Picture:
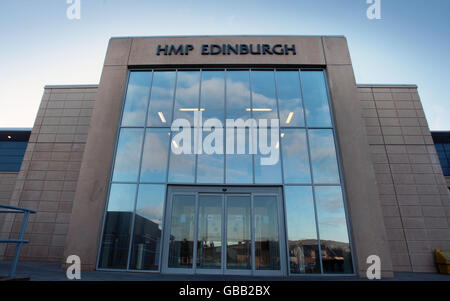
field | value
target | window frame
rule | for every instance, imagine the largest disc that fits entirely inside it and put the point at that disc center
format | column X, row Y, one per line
column 227, row 68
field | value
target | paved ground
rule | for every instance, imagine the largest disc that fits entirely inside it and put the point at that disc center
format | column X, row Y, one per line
column 39, row 271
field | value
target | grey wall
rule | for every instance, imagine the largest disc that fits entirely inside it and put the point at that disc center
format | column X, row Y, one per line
column 49, row 172
column 413, row 191
column 7, row 183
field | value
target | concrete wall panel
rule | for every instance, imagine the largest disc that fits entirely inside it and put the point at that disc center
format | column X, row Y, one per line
column 92, row 185
column 419, row 191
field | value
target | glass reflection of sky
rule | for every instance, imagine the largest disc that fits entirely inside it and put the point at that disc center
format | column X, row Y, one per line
column 295, row 157
column 128, row 154
column 161, row 99
column 289, row 99
column 182, row 166
column 316, row 99
column 136, row 99
column 186, row 94
column 263, row 97
column 150, row 202
column 323, row 156
column 267, row 173
column 154, row 161
column 239, row 168
column 331, row 214
column 300, row 213
column 238, row 94
column 121, row 198
column 210, row 167
column 234, row 87
column 213, row 95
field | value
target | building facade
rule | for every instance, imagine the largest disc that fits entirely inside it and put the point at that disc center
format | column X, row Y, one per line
column 118, row 183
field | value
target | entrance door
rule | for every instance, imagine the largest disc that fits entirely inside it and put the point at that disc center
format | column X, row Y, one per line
column 215, row 230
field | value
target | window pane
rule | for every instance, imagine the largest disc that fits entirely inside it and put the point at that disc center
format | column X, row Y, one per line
column 156, row 152
column 147, row 227
column 182, row 166
column 7, row 167
column 323, row 157
column 116, row 232
column 187, row 95
column 239, row 165
column 213, row 95
column 182, row 232
column 301, row 230
column 316, row 99
column 239, row 169
column 13, row 145
column 239, row 239
column 16, row 160
column 136, row 99
column 295, row 156
column 11, row 155
column 289, row 99
column 263, row 97
column 336, row 255
column 446, row 171
column 210, row 166
column 209, row 248
column 161, row 99
column 268, row 173
column 126, row 166
column 238, row 95
column 267, row 244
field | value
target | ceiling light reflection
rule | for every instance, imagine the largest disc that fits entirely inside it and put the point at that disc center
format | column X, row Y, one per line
column 289, row 118
column 161, row 116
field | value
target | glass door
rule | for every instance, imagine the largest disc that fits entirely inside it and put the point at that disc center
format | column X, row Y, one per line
column 209, row 237
column 182, row 233
column 266, row 215
column 239, row 232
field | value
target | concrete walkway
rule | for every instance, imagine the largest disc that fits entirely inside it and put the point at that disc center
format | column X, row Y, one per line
column 42, row 271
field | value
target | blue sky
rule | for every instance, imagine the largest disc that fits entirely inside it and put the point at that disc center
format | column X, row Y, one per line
column 39, row 45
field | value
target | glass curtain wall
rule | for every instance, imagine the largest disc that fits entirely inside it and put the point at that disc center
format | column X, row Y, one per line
column 145, row 162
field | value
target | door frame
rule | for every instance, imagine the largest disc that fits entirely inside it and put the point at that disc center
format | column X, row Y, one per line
column 224, row 190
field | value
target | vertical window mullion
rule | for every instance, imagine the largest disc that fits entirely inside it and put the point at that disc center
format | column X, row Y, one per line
column 224, row 142
column 280, row 150
column 197, row 131
column 251, row 116
column 169, row 155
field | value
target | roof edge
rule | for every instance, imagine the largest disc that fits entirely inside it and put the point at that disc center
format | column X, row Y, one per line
column 2, row 129
column 237, row 35
column 387, row 85
column 70, row 86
